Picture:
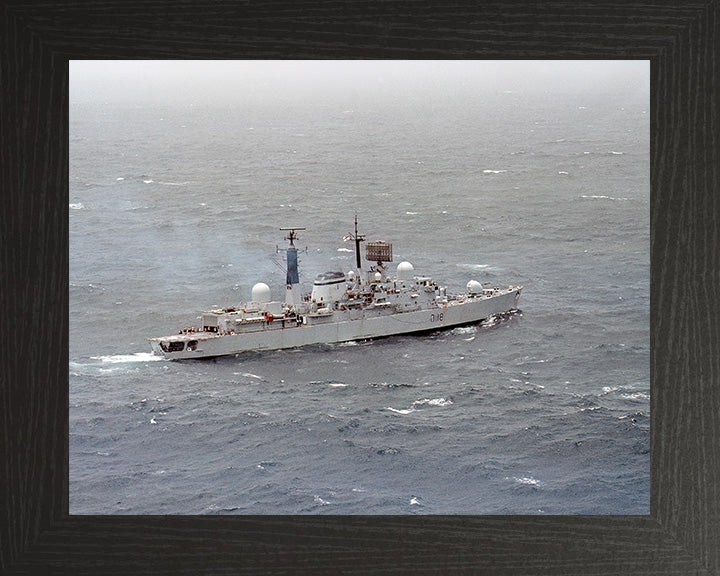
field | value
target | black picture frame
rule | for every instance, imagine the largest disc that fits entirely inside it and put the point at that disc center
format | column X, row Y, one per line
column 682, row 533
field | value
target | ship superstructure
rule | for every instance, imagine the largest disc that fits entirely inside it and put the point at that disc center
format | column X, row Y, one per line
column 361, row 304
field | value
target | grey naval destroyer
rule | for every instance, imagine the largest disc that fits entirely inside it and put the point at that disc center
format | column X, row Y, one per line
column 359, row 305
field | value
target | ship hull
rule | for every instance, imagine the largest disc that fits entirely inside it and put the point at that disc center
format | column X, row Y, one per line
column 344, row 326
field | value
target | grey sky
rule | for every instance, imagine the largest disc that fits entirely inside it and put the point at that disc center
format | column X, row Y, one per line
column 190, row 82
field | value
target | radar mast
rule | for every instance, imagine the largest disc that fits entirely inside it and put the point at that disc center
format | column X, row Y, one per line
column 292, row 280
column 358, row 238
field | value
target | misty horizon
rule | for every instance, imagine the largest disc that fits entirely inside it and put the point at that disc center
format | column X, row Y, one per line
column 192, row 82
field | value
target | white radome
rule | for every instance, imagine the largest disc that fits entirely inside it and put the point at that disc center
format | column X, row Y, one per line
column 405, row 271
column 261, row 292
column 474, row 287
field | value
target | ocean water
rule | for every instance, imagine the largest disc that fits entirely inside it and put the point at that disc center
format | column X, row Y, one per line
column 175, row 207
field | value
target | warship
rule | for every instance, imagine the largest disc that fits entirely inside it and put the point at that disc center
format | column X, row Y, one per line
column 360, row 305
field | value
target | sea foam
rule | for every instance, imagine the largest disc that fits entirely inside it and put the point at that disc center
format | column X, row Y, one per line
column 123, row 358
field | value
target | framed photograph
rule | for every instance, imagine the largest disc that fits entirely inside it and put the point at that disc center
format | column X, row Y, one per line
column 560, row 152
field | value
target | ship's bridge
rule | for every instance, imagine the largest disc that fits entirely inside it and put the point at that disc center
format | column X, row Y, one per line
column 328, row 287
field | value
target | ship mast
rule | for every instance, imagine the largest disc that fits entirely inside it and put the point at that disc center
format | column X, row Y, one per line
column 292, row 279
column 358, row 238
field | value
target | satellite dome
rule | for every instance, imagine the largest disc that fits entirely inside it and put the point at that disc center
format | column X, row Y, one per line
column 474, row 287
column 405, row 271
column 378, row 277
column 261, row 292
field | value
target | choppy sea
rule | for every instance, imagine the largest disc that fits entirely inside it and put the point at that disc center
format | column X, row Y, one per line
column 176, row 208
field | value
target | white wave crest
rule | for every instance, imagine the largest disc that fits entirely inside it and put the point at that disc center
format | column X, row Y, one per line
column 77, row 206
column 494, row 171
column 602, row 197
column 464, row 330
column 406, row 411
column 124, row 358
column 635, row 396
column 423, row 402
column 432, row 402
column 528, row 480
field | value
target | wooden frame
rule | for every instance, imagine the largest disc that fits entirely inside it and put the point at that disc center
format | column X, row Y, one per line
column 682, row 533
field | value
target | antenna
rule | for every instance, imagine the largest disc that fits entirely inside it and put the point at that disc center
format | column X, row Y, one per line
column 358, row 238
column 291, row 235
